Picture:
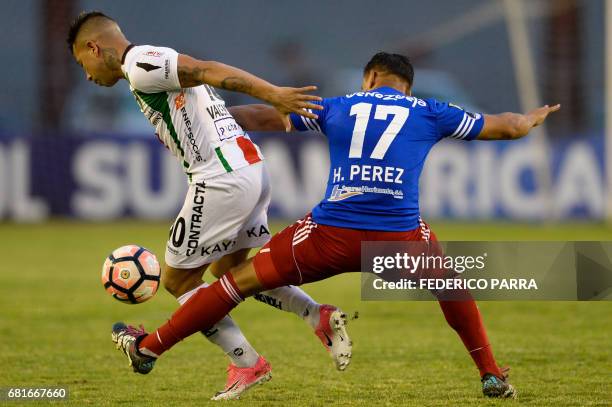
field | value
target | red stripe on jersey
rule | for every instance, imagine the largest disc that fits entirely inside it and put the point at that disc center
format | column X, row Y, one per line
column 248, row 149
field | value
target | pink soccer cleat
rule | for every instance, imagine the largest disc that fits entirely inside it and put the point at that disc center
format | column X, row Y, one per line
column 240, row 379
column 332, row 333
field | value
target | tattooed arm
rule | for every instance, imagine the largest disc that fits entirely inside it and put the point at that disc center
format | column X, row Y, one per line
column 257, row 117
column 194, row 72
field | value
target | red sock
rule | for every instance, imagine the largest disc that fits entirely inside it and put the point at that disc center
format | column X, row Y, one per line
column 203, row 310
column 464, row 317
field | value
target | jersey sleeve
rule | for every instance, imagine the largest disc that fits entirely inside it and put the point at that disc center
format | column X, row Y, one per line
column 302, row 123
column 454, row 122
column 154, row 70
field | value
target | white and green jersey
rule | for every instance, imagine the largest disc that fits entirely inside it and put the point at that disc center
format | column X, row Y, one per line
column 193, row 123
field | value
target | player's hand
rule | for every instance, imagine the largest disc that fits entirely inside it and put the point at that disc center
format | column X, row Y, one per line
column 294, row 100
column 537, row 116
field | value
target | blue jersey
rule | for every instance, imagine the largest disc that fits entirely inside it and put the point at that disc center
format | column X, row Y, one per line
column 378, row 142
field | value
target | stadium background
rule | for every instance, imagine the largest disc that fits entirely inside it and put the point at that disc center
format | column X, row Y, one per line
column 81, row 174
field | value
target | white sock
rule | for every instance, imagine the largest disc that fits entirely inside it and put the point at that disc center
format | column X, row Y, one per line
column 292, row 299
column 226, row 335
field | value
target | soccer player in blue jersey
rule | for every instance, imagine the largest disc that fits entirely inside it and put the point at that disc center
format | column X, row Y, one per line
column 379, row 139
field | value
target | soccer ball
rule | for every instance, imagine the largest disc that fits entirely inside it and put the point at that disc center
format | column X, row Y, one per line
column 131, row 274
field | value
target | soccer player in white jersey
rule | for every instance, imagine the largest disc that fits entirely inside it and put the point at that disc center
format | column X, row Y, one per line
column 224, row 214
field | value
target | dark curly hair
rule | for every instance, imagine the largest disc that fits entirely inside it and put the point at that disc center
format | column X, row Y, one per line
column 395, row 64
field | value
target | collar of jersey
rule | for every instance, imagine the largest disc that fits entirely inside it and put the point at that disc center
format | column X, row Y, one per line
column 386, row 89
column 128, row 49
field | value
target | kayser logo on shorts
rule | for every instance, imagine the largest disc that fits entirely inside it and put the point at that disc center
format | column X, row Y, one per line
column 225, row 245
column 220, row 247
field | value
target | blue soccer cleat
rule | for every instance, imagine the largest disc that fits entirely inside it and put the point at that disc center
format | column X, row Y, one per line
column 498, row 387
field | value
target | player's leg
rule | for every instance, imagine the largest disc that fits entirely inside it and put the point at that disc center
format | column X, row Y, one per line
column 182, row 284
column 465, row 318
column 462, row 314
column 247, row 368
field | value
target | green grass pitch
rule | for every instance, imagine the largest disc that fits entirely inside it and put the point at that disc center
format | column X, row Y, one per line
column 55, row 320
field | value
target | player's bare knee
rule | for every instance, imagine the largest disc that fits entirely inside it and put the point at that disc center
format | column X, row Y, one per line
column 217, row 271
column 227, row 262
column 177, row 281
column 172, row 285
column 246, row 278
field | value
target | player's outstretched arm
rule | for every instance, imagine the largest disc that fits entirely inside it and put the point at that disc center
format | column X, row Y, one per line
column 510, row 126
column 257, row 117
column 194, row 72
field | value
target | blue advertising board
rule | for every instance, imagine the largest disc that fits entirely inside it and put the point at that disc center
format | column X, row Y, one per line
column 108, row 177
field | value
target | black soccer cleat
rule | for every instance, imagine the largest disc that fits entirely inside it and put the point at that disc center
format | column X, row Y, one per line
column 498, row 387
column 127, row 338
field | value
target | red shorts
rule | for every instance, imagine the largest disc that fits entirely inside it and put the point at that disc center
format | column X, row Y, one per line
column 306, row 252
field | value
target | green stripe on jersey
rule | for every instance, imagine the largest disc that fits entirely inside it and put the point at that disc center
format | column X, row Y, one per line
column 226, row 165
column 159, row 103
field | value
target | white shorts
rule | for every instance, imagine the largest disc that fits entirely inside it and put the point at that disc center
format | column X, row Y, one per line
column 220, row 216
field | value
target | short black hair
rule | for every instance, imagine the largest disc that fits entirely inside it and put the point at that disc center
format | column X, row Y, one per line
column 78, row 22
column 395, row 64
